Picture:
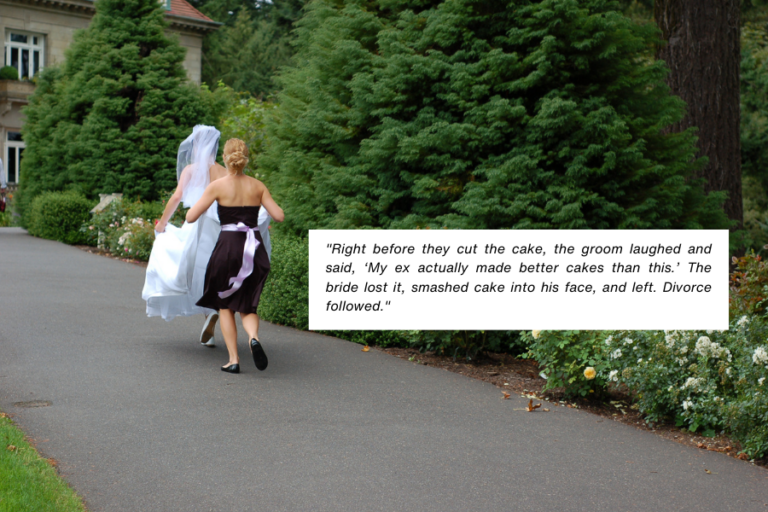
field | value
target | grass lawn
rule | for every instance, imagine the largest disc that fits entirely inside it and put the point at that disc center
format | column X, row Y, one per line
column 28, row 483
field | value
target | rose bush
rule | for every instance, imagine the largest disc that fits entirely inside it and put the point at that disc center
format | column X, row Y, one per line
column 126, row 228
column 708, row 381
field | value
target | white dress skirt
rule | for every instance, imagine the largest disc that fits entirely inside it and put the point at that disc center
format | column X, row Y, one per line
column 175, row 275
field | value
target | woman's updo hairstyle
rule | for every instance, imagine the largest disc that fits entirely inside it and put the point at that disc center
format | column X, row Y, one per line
column 235, row 155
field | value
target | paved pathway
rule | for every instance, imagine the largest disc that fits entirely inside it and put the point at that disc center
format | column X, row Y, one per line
column 142, row 419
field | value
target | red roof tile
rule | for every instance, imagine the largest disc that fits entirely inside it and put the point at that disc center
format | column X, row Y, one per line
column 183, row 8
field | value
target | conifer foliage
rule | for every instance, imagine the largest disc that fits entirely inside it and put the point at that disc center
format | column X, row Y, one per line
column 481, row 114
column 112, row 117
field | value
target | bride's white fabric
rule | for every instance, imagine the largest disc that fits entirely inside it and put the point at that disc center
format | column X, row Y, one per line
column 176, row 270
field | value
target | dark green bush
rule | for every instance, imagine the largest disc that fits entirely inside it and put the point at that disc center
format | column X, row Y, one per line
column 59, row 216
column 285, row 299
column 8, row 73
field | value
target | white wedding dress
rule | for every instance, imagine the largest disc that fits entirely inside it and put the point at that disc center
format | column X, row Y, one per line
column 175, row 275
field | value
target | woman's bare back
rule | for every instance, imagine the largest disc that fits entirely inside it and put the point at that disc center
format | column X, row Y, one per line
column 239, row 190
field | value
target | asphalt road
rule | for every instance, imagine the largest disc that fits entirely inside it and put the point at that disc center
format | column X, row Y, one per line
column 142, row 419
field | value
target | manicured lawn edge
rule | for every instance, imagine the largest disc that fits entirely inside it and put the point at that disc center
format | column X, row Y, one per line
column 29, row 482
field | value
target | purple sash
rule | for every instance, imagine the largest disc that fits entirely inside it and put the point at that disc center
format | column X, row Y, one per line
column 249, row 250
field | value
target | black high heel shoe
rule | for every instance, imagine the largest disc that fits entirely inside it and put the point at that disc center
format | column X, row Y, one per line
column 259, row 356
column 233, row 368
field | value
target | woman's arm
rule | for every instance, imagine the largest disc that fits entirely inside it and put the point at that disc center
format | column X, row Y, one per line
column 173, row 202
column 270, row 205
column 205, row 202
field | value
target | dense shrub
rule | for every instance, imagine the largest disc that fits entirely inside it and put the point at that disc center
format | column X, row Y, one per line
column 748, row 288
column 378, row 338
column 566, row 356
column 285, row 299
column 9, row 73
column 465, row 344
column 59, row 216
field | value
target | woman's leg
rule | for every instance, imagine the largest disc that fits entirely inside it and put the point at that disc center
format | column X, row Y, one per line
column 229, row 330
column 251, row 325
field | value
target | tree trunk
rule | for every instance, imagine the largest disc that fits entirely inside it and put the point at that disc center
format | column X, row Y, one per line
column 703, row 52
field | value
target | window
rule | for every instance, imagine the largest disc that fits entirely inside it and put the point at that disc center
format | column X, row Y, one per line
column 24, row 51
column 14, row 148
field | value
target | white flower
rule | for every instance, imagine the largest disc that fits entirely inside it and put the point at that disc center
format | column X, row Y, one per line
column 535, row 334
column 608, row 340
column 692, row 382
column 640, row 360
column 743, row 321
column 628, row 341
column 614, row 375
column 616, row 354
column 687, row 404
column 710, row 332
column 760, row 381
column 635, row 347
column 123, row 238
column 682, row 361
column 670, row 341
column 670, row 388
column 684, row 350
column 728, row 371
column 760, row 356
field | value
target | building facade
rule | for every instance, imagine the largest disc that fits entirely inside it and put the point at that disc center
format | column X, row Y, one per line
column 36, row 34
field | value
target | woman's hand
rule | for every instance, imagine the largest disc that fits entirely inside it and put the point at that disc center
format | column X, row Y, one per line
column 160, row 226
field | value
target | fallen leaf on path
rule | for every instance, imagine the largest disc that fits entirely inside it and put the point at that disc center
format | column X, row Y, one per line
column 52, row 462
column 742, row 456
column 3, row 415
column 11, row 448
column 545, row 410
column 506, row 395
column 707, row 471
column 700, row 445
column 532, row 407
column 366, row 348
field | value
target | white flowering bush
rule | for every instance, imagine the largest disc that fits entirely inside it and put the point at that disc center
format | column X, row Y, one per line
column 707, row 381
column 126, row 228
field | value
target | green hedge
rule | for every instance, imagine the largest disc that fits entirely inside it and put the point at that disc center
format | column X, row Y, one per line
column 8, row 73
column 285, row 299
column 59, row 216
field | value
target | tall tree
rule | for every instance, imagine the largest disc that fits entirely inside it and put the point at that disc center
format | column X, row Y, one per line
column 111, row 119
column 254, row 44
column 481, row 114
column 703, row 52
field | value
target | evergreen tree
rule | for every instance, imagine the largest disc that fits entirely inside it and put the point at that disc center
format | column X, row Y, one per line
column 254, row 44
column 111, row 119
column 481, row 114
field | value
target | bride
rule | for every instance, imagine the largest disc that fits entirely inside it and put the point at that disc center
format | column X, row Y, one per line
column 179, row 257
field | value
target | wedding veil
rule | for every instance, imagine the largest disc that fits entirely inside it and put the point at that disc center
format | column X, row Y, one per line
column 196, row 156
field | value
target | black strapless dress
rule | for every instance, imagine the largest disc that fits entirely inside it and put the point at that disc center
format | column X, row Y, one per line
column 226, row 260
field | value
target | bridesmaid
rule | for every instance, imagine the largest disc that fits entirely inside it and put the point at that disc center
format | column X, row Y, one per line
column 239, row 265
